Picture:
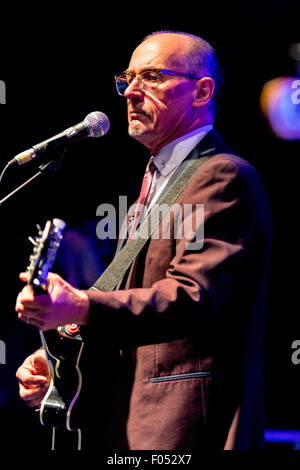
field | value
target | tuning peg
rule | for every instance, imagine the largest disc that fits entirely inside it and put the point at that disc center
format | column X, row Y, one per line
column 32, row 240
column 39, row 229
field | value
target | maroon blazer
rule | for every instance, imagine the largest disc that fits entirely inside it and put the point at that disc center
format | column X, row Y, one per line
column 183, row 336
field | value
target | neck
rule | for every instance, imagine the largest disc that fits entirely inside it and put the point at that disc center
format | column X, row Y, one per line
column 156, row 147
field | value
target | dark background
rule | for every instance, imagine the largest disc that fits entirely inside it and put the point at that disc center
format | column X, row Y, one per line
column 59, row 67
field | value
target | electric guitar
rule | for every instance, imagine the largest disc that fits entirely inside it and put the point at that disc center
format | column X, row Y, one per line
column 59, row 408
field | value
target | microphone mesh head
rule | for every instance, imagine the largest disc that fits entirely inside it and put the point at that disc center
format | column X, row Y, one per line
column 97, row 123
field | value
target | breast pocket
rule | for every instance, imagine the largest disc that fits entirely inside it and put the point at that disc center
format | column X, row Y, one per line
column 188, row 375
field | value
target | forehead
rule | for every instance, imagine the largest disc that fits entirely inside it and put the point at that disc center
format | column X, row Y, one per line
column 158, row 51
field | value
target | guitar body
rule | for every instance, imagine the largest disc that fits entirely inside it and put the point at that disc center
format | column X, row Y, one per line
column 60, row 406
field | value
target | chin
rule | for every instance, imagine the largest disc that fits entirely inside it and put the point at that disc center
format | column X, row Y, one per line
column 136, row 131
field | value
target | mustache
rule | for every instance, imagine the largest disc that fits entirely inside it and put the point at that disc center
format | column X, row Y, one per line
column 137, row 109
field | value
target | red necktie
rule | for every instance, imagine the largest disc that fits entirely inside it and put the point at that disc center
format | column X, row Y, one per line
column 144, row 197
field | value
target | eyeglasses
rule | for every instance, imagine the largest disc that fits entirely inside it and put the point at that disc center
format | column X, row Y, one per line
column 148, row 79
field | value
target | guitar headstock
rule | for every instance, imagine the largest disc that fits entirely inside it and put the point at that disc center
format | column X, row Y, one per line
column 46, row 244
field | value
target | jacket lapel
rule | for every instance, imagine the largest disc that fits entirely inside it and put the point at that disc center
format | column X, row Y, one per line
column 211, row 144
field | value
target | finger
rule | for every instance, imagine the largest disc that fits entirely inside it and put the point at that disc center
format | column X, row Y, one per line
column 26, row 315
column 26, row 370
column 52, row 278
column 28, row 298
column 37, row 305
column 31, row 396
column 37, row 318
column 31, row 314
column 28, row 379
column 40, row 365
column 28, row 394
column 23, row 277
column 30, row 319
column 23, row 318
column 35, row 403
column 25, row 299
column 37, row 322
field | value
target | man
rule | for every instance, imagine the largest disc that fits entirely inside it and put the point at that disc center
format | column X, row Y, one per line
column 186, row 323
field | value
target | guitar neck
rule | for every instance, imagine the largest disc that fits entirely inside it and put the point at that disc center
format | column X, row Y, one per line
column 38, row 289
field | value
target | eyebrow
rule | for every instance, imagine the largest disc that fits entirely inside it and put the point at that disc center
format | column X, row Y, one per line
column 147, row 69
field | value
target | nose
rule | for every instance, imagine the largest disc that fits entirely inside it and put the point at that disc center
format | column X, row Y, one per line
column 133, row 90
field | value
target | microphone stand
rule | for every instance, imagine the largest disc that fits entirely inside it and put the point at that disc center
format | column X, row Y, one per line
column 44, row 169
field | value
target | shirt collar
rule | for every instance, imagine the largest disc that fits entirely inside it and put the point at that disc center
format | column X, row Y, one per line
column 172, row 154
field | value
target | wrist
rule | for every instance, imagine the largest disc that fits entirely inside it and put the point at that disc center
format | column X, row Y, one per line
column 83, row 306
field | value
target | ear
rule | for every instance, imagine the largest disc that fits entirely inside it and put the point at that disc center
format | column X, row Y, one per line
column 204, row 90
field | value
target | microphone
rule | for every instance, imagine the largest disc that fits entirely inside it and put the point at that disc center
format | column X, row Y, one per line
column 95, row 124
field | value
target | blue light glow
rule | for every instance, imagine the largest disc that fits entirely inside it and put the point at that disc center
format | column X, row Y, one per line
column 283, row 436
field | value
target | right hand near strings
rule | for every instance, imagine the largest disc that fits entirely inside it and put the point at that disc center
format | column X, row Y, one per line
column 34, row 378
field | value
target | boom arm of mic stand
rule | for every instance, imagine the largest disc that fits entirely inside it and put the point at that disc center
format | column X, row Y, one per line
column 46, row 168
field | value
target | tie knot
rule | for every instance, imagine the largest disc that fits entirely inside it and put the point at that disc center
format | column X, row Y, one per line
column 151, row 166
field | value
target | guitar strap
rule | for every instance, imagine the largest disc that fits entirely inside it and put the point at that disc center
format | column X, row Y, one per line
column 118, row 267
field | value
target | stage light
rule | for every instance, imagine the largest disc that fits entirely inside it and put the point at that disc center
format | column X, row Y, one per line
column 280, row 102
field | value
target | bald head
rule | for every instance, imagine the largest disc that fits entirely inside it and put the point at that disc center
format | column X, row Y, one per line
column 193, row 55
